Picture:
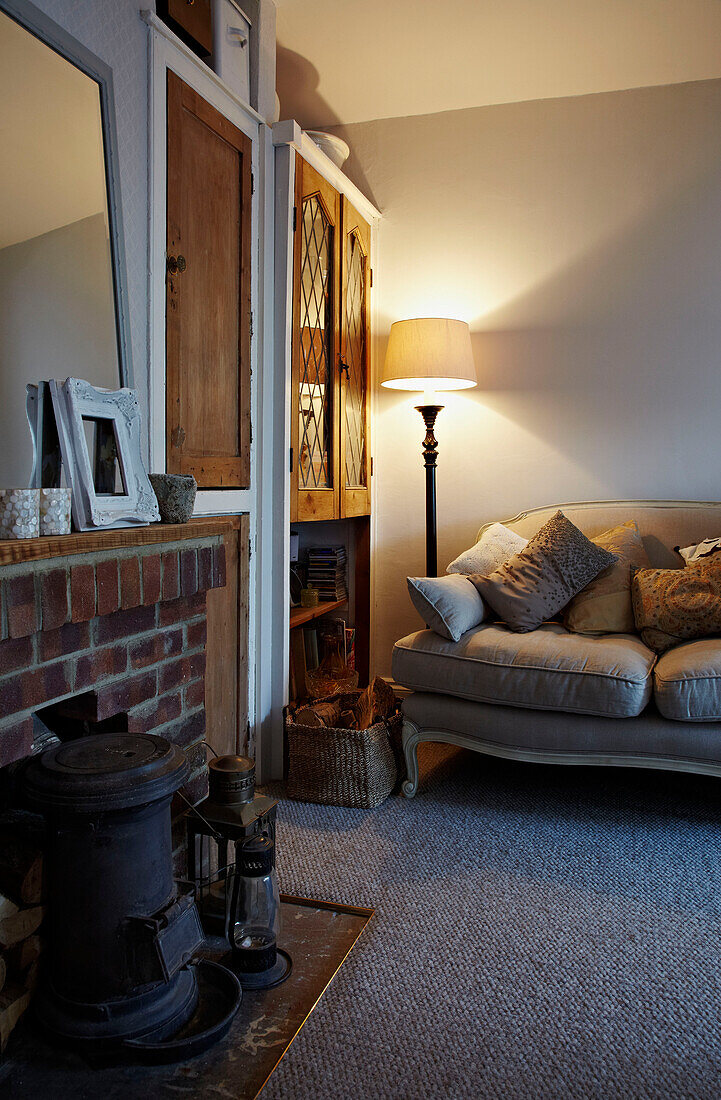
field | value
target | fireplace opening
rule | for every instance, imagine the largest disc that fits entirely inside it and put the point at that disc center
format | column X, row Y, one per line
column 73, row 718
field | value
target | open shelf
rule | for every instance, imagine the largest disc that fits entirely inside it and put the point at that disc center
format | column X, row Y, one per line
column 301, row 615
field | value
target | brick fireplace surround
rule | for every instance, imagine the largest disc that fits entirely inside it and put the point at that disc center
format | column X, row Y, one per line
column 113, row 630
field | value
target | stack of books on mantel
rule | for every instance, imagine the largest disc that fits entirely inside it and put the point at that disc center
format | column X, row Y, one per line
column 327, row 572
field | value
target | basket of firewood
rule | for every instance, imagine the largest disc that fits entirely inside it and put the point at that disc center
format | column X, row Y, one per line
column 343, row 750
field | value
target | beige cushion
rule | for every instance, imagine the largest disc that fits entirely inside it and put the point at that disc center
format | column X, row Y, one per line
column 537, row 582
column 687, row 682
column 496, row 545
column 449, row 605
column 604, row 606
column 699, row 550
column 548, row 669
column 677, row 605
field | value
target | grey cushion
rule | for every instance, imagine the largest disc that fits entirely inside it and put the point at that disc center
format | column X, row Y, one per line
column 687, row 682
column 548, row 669
column 449, row 605
column 533, row 585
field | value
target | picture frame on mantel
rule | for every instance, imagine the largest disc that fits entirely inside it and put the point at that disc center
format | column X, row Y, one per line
column 99, row 433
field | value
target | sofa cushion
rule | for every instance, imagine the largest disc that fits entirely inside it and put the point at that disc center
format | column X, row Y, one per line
column 604, row 606
column 547, row 669
column 449, row 605
column 533, row 585
column 677, row 605
column 495, row 545
column 687, row 681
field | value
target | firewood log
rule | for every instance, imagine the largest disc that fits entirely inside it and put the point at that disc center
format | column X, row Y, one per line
column 375, row 703
column 20, row 925
column 318, row 714
column 14, row 1001
column 21, row 868
column 347, row 720
column 8, row 908
column 23, row 955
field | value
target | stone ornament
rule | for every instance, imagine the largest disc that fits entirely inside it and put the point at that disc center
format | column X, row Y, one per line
column 19, row 513
column 176, row 496
column 55, row 507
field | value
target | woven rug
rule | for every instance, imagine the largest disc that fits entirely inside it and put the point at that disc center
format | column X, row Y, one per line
column 540, row 932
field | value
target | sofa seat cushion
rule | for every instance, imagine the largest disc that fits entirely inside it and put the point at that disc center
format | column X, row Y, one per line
column 687, row 681
column 546, row 669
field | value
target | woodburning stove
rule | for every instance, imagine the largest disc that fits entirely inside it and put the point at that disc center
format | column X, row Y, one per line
column 122, row 930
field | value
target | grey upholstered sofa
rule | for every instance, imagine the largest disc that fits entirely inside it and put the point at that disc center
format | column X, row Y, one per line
column 564, row 698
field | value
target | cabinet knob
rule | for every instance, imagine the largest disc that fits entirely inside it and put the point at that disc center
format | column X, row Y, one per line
column 176, row 265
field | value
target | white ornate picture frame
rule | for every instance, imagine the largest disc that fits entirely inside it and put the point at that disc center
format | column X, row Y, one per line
column 76, row 401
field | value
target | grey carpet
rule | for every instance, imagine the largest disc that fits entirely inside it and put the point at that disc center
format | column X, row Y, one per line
column 540, row 932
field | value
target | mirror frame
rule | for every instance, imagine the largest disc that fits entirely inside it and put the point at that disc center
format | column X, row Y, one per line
column 53, row 35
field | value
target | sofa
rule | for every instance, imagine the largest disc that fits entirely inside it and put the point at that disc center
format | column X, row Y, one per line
column 557, row 697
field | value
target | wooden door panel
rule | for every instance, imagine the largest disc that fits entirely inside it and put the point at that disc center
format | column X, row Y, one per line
column 208, row 296
column 314, row 352
column 355, row 484
column 226, row 674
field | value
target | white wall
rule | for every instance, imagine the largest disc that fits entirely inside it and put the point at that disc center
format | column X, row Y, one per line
column 581, row 238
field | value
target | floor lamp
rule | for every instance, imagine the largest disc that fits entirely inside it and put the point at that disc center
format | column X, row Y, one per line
column 431, row 354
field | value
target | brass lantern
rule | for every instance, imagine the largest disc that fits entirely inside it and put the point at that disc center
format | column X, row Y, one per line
column 217, row 829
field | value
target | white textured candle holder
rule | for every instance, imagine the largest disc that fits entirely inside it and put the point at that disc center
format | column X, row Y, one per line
column 19, row 513
column 55, row 511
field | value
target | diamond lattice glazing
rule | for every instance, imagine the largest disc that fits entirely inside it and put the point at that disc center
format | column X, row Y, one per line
column 355, row 421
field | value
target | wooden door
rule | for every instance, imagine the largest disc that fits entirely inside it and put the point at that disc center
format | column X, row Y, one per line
column 355, row 459
column 208, row 321
column 314, row 400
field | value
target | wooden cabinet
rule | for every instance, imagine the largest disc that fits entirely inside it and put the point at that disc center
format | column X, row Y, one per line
column 208, row 318
column 191, row 20
column 330, row 358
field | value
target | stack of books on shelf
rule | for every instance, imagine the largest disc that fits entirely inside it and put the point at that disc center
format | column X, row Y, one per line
column 327, row 572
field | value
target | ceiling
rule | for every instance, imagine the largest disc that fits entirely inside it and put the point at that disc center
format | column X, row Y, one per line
column 344, row 61
column 52, row 171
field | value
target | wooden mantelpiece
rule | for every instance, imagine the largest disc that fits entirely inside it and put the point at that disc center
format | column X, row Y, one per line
column 14, row 551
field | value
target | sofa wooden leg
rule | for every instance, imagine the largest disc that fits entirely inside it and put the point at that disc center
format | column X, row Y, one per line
column 410, row 736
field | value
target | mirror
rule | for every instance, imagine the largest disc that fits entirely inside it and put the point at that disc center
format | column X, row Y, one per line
column 61, row 295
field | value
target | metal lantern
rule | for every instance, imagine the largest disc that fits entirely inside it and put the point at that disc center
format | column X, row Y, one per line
column 218, row 827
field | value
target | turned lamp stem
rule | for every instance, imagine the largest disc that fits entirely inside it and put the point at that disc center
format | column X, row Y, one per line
column 430, row 456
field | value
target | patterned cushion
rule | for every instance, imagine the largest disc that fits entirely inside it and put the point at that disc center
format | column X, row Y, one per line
column 604, row 606
column 675, row 605
column 537, row 582
column 496, row 545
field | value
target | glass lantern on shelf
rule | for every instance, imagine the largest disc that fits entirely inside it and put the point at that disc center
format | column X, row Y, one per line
column 333, row 674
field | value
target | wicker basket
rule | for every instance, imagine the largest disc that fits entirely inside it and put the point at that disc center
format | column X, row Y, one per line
column 339, row 767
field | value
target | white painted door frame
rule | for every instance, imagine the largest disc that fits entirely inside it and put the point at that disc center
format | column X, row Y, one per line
column 166, row 51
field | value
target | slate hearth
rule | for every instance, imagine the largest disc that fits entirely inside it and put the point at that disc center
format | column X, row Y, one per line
column 111, row 638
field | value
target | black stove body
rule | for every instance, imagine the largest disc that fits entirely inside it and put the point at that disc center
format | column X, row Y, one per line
column 122, row 930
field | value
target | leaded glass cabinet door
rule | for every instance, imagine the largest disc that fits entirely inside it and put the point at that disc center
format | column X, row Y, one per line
column 355, row 462
column 315, row 407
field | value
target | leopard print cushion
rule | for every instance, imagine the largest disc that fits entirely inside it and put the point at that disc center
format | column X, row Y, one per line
column 536, row 583
column 675, row 605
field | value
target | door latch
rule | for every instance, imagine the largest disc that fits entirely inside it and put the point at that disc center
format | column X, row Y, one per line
column 176, row 265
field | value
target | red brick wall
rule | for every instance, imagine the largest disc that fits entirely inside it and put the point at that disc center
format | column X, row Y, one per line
column 123, row 631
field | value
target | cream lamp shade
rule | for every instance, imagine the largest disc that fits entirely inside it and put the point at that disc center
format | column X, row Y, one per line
column 429, row 353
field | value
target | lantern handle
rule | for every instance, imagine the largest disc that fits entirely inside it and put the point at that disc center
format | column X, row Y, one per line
column 208, row 744
column 215, row 835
